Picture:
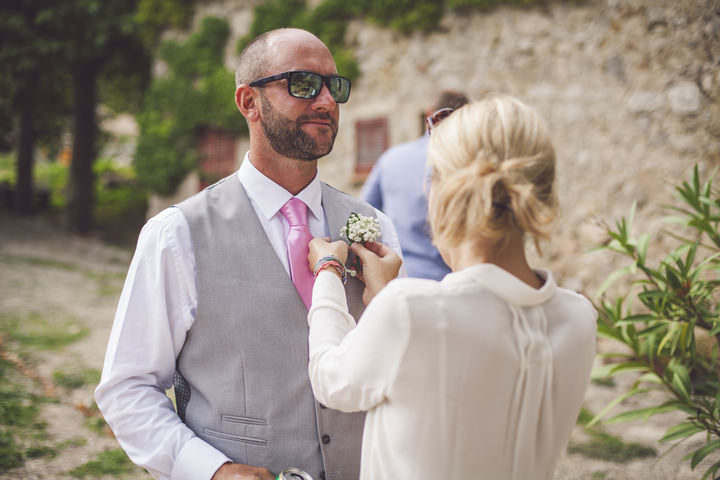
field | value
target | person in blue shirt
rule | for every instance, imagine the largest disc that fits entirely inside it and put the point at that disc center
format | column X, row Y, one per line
column 396, row 186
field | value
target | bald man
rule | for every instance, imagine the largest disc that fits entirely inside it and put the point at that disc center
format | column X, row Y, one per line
column 214, row 305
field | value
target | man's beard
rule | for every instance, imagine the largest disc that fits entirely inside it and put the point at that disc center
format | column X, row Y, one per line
column 287, row 138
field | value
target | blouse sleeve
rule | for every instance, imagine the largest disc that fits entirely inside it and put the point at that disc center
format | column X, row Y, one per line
column 352, row 367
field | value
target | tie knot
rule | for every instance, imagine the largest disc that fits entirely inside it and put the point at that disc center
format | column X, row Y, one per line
column 295, row 212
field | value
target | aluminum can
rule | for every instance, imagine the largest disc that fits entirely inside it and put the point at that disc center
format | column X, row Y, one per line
column 292, row 473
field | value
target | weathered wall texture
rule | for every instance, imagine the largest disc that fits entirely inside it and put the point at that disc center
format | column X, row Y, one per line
column 630, row 89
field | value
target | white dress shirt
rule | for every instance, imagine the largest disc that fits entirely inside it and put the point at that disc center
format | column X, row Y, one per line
column 478, row 376
column 157, row 308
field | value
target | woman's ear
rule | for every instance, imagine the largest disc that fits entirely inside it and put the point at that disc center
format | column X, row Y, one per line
column 246, row 101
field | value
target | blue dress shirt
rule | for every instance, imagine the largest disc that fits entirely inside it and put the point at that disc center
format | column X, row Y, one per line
column 397, row 187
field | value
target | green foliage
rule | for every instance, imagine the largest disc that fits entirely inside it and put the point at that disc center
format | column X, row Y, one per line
column 402, row 15
column 120, row 202
column 33, row 75
column 329, row 19
column 607, row 447
column 8, row 172
column 109, row 462
column 54, row 177
column 154, row 16
column 117, row 192
column 197, row 93
column 669, row 317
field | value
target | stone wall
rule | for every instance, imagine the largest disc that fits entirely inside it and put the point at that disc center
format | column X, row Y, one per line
column 629, row 88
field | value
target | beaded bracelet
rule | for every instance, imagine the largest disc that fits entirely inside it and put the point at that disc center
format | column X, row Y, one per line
column 331, row 261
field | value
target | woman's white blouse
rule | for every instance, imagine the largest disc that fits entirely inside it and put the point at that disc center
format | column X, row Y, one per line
column 477, row 376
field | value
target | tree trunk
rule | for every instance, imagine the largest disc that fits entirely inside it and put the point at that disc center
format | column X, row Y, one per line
column 82, row 181
column 23, row 201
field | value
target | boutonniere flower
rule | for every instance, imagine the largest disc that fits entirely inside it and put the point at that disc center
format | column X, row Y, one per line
column 360, row 228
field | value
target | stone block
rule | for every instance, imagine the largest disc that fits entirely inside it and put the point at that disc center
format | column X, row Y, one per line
column 684, row 98
column 644, row 101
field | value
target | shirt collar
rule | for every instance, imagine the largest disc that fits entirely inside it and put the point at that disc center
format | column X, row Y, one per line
column 269, row 196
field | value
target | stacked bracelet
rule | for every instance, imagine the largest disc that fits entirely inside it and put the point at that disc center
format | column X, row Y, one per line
column 332, row 261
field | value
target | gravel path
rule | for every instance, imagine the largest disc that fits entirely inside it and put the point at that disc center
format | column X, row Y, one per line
column 74, row 283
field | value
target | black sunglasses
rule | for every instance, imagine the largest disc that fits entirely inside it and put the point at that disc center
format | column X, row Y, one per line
column 308, row 85
column 437, row 117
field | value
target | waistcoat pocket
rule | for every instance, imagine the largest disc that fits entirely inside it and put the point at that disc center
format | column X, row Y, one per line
column 235, row 438
column 240, row 419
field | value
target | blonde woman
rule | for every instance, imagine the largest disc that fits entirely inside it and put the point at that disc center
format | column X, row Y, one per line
column 482, row 374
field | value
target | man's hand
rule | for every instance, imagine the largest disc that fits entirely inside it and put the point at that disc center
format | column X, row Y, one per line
column 238, row 471
column 379, row 265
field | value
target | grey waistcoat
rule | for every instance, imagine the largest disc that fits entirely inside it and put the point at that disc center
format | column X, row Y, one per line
column 242, row 383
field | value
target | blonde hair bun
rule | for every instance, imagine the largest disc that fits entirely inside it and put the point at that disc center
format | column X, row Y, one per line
column 493, row 170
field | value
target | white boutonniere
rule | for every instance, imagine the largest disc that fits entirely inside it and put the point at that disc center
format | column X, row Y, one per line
column 360, row 228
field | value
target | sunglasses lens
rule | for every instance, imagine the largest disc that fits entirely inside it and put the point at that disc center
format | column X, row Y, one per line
column 437, row 117
column 339, row 89
column 305, row 85
column 308, row 85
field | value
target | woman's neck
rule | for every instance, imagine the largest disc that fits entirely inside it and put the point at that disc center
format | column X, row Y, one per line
column 511, row 258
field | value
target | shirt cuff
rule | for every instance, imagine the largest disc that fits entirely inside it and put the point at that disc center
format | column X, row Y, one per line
column 197, row 460
column 329, row 292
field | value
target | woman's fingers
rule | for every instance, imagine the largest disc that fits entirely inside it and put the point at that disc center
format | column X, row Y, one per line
column 320, row 247
column 380, row 265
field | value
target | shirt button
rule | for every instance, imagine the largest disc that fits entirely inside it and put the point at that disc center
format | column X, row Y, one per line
column 326, row 439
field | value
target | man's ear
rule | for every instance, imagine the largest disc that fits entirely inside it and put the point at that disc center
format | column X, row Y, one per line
column 246, row 101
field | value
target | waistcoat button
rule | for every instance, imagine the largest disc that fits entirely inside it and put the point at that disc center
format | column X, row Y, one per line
column 326, row 439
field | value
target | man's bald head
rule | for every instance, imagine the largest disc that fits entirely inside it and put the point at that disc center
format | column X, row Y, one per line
column 254, row 61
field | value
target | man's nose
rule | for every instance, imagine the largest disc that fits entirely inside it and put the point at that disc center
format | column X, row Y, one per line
column 324, row 100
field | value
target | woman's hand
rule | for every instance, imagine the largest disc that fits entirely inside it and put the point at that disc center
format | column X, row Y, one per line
column 322, row 247
column 379, row 265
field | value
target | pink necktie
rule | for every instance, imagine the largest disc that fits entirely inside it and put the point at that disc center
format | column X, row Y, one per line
column 295, row 211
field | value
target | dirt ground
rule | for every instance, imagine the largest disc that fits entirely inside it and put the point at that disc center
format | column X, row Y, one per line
column 76, row 282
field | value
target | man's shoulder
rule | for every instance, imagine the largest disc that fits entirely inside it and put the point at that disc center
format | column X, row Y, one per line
column 217, row 192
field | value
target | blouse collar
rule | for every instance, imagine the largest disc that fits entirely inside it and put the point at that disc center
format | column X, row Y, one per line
column 504, row 284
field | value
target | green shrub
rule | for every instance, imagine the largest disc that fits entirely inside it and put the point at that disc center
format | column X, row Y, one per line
column 53, row 176
column 117, row 191
column 7, row 168
column 197, row 93
column 669, row 318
